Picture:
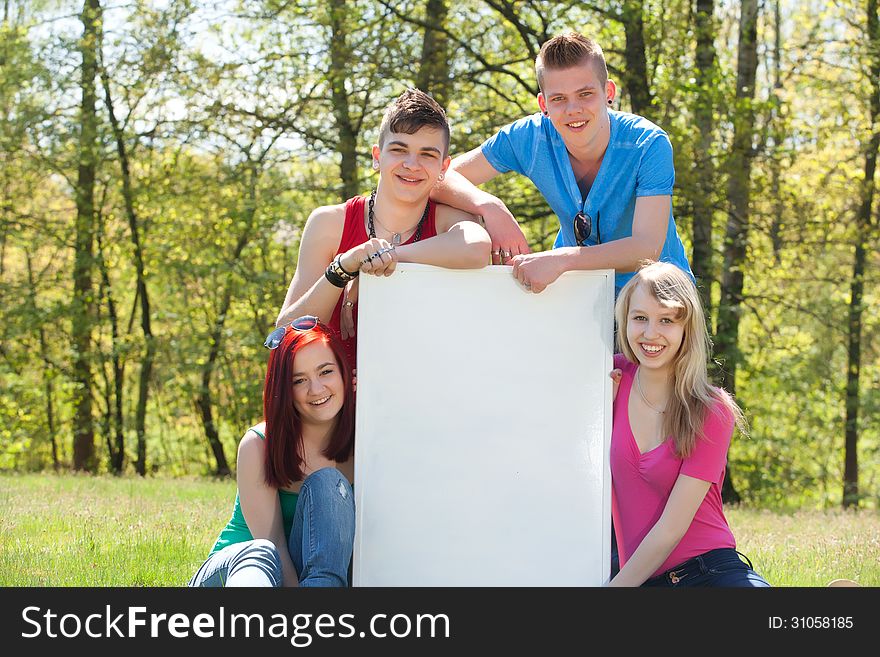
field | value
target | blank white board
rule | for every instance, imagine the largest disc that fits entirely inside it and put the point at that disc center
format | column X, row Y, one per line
column 483, row 428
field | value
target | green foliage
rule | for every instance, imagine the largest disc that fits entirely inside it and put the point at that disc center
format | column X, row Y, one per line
column 234, row 135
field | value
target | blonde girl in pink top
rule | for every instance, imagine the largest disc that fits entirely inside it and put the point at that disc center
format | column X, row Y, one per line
column 669, row 441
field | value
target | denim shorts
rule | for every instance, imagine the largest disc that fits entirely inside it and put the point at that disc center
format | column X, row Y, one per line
column 721, row 567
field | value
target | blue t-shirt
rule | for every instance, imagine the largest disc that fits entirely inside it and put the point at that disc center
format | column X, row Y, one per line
column 637, row 162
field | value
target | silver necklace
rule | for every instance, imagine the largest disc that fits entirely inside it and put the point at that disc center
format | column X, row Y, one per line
column 645, row 399
column 395, row 237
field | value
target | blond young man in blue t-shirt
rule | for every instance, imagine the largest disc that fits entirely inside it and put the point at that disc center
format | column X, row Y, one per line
column 607, row 175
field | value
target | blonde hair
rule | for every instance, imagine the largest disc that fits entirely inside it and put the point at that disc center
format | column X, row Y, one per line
column 693, row 395
column 568, row 50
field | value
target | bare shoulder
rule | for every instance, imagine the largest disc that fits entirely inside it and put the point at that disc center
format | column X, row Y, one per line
column 326, row 220
column 251, row 445
column 447, row 216
column 321, row 235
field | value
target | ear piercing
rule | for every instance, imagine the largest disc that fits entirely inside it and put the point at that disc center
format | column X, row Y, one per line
column 375, row 165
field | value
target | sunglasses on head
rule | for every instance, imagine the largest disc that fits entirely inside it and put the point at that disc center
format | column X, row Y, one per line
column 304, row 323
column 583, row 225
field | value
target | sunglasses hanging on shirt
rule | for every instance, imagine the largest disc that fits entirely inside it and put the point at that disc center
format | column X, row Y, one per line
column 583, row 226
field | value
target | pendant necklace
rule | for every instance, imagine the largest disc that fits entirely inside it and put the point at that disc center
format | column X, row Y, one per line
column 395, row 237
column 642, row 395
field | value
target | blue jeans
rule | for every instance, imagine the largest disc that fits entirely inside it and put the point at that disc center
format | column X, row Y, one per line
column 320, row 543
column 322, row 537
column 251, row 563
column 721, row 567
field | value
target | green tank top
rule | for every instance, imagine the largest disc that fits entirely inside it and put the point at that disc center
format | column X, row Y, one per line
column 236, row 530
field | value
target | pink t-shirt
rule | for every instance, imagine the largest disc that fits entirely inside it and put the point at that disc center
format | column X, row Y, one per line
column 641, row 483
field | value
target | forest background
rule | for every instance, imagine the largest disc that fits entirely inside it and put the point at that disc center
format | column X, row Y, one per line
column 158, row 161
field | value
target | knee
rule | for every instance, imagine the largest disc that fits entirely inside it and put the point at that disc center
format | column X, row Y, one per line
column 329, row 483
column 264, row 546
column 264, row 552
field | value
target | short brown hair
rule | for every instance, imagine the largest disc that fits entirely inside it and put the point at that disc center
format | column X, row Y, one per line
column 412, row 111
column 567, row 50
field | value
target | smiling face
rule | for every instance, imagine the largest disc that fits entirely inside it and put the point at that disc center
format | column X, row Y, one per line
column 576, row 102
column 654, row 331
column 318, row 388
column 412, row 164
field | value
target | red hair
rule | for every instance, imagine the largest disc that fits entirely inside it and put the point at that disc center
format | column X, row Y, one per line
column 284, row 448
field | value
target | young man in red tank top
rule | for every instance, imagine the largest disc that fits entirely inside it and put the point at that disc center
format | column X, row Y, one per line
column 396, row 223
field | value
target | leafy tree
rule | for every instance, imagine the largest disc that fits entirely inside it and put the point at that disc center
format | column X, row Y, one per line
column 83, row 292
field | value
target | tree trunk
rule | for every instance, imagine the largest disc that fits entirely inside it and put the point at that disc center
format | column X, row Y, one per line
column 778, row 133
column 864, row 226
column 340, row 54
column 83, row 292
column 702, row 259
column 142, row 294
column 48, row 387
column 206, row 405
column 116, row 448
column 50, row 414
column 854, row 362
column 739, row 200
column 738, row 195
column 433, row 74
column 635, row 77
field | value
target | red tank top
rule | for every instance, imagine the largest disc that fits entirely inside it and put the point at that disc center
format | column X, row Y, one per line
column 354, row 233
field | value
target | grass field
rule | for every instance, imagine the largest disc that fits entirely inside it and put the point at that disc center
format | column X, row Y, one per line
column 101, row 531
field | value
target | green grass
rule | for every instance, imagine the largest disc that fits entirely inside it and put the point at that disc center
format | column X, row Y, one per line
column 101, row 531
column 810, row 548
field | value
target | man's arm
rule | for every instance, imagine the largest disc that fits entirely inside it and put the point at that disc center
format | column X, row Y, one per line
column 309, row 292
column 476, row 170
column 650, row 223
column 460, row 243
column 459, row 190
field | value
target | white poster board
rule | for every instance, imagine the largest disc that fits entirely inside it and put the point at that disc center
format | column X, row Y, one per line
column 483, row 428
